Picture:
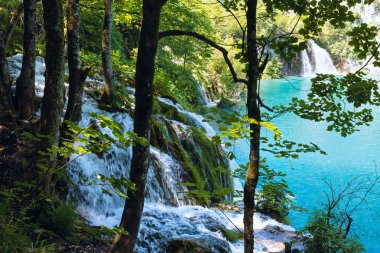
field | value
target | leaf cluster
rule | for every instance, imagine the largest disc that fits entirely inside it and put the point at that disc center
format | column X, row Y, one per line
column 343, row 102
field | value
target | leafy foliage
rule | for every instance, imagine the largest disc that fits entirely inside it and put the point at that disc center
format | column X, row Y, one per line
column 341, row 101
column 325, row 236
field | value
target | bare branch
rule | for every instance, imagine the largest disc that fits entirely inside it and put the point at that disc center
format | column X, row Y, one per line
column 369, row 60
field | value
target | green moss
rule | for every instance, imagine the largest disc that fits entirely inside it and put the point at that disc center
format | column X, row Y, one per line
column 157, row 135
column 204, row 162
column 170, row 112
column 232, row 234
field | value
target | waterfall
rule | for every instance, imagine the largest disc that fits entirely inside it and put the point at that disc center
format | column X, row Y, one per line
column 316, row 60
column 168, row 216
column 15, row 65
column 306, row 66
column 202, row 94
column 195, row 118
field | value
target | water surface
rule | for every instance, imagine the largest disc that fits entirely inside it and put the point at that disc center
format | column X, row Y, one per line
column 347, row 157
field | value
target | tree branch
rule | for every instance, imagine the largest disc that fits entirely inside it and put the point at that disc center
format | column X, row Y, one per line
column 373, row 54
column 12, row 24
column 210, row 43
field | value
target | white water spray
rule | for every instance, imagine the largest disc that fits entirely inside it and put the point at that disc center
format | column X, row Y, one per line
column 316, row 60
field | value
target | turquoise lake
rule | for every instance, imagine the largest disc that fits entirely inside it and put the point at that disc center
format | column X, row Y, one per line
column 346, row 158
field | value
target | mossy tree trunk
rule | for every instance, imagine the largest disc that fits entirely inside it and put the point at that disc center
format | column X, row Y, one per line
column 107, row 96
column 77, row 76
column 134, row 204
column 25, row 87
column 53, row 99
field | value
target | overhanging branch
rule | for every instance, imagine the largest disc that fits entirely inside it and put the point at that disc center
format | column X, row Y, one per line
column 210, row 43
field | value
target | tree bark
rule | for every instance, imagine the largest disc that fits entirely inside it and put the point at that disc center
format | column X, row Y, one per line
column 253, row 107
column 134, row 204
column 7, row 110
column 77, row 76
column 53, row 99
column 25, row 85
column 6, row 100
column 106, row 53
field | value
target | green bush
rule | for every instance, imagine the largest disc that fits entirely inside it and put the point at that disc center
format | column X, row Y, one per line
column 324, row 235
column 60, row 219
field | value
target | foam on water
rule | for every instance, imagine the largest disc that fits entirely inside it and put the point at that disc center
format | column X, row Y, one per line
column 195, row 118
column 167, row 214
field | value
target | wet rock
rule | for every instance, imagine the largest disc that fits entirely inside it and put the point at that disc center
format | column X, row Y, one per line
column 226, row 103
column 184, row 246
column 197, row 245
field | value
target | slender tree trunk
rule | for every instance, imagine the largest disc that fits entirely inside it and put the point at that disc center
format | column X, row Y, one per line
column 25, row 87
column 53, row 99
column 77, row 76
column 106, row 53
column 253, row 112
column 6, row 99
column 134, row 204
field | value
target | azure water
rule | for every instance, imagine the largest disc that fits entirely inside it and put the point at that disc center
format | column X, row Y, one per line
column 347, row 157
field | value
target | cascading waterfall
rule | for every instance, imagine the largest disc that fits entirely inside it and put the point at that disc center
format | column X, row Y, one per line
column 168, row 214
column 203, row 97
column 195, row 118
column 316, row 60
column 307, row 69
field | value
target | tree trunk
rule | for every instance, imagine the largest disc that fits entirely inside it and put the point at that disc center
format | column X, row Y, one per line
column 106, row 53
column 77, row 77
column 134, row 204
column 25, row 87
column 6, row 100
column 53, row 99
column 7, row 110
column 253, row 112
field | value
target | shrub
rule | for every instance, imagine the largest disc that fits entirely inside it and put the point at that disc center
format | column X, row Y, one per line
column 61, row 219
column 324, row 235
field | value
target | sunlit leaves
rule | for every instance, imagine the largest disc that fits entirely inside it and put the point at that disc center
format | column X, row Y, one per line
column 115, row 230
column 290, row 149
column 341, row 101
column 117, row 185
column 86, row 140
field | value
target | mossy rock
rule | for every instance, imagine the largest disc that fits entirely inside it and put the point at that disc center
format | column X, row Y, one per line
column 185, row 246
column 158, row 138
column 170, row 112
column 204, row 162
column 232, row 235
column 226, row 103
